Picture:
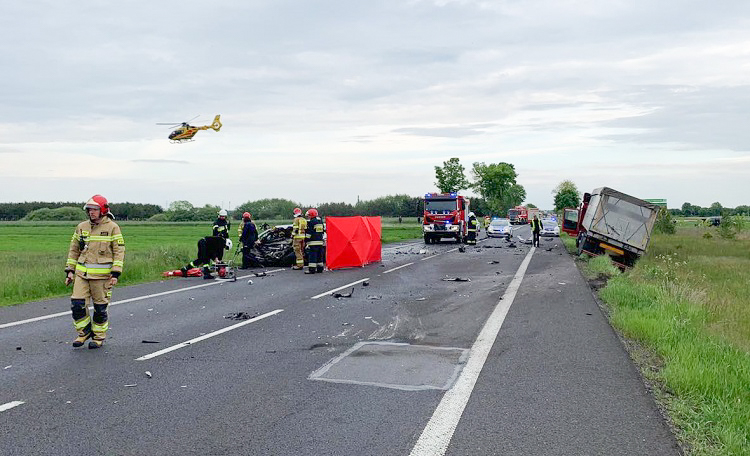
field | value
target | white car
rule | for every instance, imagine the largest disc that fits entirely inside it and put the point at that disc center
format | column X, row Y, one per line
column 499, row 228
column 549, row 228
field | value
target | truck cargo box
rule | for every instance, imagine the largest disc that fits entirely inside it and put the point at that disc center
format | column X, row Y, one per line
column 620, row 219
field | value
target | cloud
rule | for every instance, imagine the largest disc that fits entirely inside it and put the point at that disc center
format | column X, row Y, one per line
column 158, row 160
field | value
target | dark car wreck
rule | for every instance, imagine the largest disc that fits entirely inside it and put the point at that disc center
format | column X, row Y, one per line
column 274, row 248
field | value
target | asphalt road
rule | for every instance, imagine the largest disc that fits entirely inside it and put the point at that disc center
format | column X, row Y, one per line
column 519, row 360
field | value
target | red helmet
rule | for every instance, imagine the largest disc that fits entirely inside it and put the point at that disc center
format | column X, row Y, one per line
column 297, row 212
column 312, row 213
column 97, row 202
column 246, row 215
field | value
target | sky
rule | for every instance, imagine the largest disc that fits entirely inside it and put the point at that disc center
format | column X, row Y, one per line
column 331, row 101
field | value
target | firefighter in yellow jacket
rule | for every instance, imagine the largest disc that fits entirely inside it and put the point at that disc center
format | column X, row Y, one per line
column 94, row 264
column 299, row 229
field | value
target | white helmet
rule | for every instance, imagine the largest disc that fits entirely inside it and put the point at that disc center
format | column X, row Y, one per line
column 471, row 214
column 223, row 213
column 228, row 244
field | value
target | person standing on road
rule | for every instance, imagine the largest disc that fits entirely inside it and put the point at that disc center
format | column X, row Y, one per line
column 248, row 238
column 314, row 238
column 94, row 264
column 536, row 228
column 222, row 225
column 471, row 236
column 299, row 230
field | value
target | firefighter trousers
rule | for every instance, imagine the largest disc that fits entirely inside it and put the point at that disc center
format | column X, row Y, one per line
column 100, row 292
column 315, row 260
column 299, row 249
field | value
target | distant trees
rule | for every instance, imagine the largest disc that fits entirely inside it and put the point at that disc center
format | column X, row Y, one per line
column 497, row 184
column 58, row 214
column 123, row 211
column 566, row 195
column 450, row 177
column 716, row 209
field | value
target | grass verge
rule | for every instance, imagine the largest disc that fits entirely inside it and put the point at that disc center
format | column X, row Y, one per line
column 684, row 311
column 32, row 255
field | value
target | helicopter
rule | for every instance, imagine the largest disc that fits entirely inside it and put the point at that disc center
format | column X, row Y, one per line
column 185, row 131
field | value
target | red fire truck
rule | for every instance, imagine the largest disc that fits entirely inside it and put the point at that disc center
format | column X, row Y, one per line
column 446, row 215
column 519, row 215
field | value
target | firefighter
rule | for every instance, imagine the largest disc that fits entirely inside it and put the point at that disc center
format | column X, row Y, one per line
column 299, row 230
column 471, row 236
column 210, row 249
column 314, row 240
column 94, row 265
column 222, row 225
column 487, row 221
column 536, row 228
column 248, row 238
column 241, row 225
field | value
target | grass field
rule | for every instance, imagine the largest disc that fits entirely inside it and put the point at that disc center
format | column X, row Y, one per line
column 685, row 309
column 32, row 255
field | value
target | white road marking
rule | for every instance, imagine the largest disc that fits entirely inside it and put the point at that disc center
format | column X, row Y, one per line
column 137, row 298
column 339, row 288
column 451, row 250
column 10, row 405
column 398, row 267
column 433, row 256
column 402, row 246
column 438, row 433
column 208, row 335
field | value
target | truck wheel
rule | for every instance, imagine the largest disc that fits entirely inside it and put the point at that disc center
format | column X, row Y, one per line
column 426, row 239
column 580, row 243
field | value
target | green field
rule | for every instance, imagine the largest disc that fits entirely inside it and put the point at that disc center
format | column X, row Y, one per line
column 32, row 255
column 685, row 311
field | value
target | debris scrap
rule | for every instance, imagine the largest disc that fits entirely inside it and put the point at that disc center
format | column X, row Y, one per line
column 343, row 295
column 456, row 279
column 240, row 316
column 260, row 274
column 366, row 283
column 148, row 374
column 493, row 262
column 375, row 298
column 150, row 342
column 131, row 385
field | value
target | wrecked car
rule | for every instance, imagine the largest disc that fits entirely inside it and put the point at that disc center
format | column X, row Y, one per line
column 274, row 248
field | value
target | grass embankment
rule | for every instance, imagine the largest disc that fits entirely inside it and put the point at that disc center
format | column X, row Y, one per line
column 685, row 309
column 32, row 255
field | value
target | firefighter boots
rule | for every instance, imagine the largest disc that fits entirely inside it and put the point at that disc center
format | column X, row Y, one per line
column 98, row 340
column 83, row 335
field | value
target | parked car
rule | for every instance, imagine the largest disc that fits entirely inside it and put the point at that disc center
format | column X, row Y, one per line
column 499, row 228
column 549, row 228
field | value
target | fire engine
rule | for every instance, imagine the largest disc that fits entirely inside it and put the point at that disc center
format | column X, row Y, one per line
column 519, row 215
column 446, row 215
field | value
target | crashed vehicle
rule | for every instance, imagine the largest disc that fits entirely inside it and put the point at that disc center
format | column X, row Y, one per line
column 274, row 248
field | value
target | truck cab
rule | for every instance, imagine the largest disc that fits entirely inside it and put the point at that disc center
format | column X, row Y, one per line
column 445, row 216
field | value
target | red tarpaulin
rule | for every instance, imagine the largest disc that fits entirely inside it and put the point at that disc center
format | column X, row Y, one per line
column 352, row 241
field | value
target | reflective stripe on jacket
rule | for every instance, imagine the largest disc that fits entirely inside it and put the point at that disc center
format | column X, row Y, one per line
column 299, row 228
column 315, row 231
column 96, row 251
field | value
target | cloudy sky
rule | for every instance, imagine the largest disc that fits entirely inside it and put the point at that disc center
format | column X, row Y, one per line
column 334, row 100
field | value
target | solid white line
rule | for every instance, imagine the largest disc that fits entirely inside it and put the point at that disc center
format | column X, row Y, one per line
column 208, row 336
column 10, row 405
column 451, row 250
column 137, row 298
column 433, row 256
column 398, row 267
column 437, row 434
column 339, row 288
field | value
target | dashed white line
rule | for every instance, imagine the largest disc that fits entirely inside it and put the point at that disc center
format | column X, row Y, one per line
column 208, row 336
column 438, row 433
column 10, row 405
column 137, row 298
column 398, row 267
column 339, row 288
column 432, row 256
column 402, row 246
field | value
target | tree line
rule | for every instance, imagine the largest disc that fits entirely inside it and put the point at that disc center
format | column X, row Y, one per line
column 714, row 210
column 123, row 211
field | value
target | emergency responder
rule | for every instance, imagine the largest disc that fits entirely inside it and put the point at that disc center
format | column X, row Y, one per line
column 536, row 228
column 210, row 249
column 471, row 236
column 241, row 226
column 248, row 238
column 94, row 265
column 222, row 225
column 314, row 240
column 487, row 221
column 299, row 230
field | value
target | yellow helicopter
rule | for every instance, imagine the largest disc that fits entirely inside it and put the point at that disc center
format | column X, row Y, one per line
column 185, row 131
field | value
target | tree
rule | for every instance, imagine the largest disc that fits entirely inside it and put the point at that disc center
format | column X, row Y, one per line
column 450, row 177
column 532, row 206
column 497, row 184
column 716, row 209
column 687, row 209
column 566, row 195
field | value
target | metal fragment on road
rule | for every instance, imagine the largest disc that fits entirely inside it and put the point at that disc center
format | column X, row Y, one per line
column 131, row 385
column 343, row 295
column 375, row 298
column 249, row 282
column 150, row 342
column 456, row 279
column 148, row 374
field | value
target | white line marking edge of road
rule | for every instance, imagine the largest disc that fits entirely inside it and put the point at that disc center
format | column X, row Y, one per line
column 438, row 432
column 10, row 405
column 208, row 335
column 137, row 298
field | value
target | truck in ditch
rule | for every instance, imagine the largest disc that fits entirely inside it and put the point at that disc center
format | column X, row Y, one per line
column 613, row 223
column 446, row 215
